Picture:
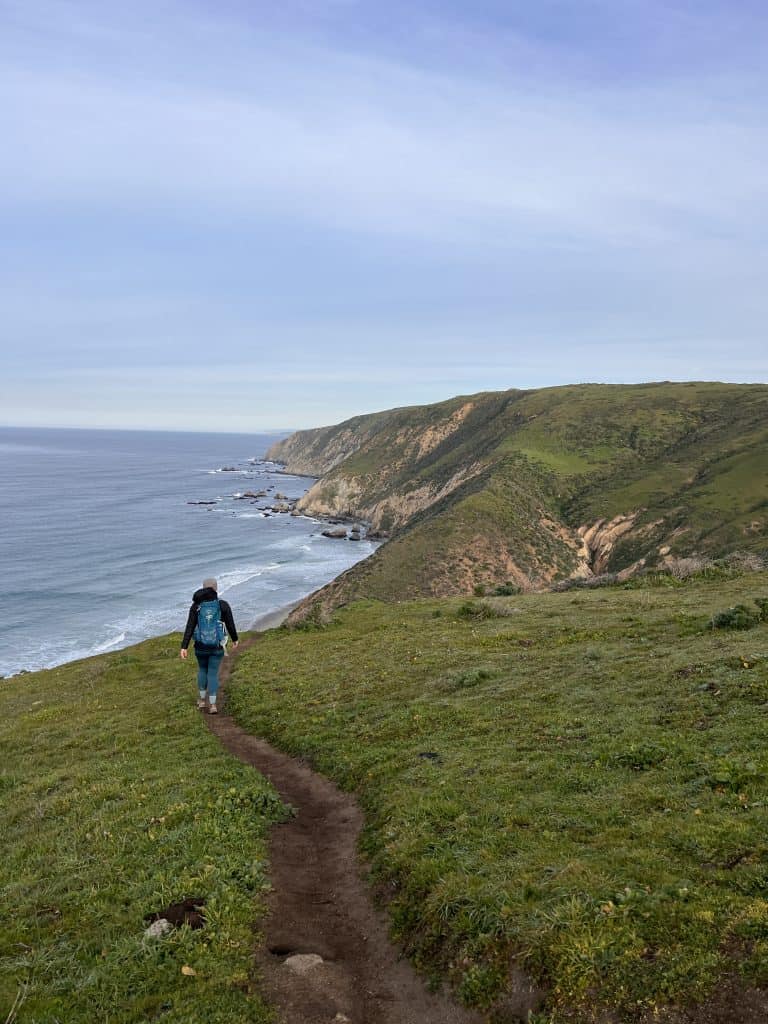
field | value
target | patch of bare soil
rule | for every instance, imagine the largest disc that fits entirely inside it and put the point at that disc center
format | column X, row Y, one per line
column 732, row 1003
column 190, row 911
column 321, row 904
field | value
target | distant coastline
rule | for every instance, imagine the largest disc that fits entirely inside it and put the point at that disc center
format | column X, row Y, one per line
column 109, row 533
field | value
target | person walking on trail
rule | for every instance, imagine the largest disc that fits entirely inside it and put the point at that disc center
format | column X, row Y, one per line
column 210, row 622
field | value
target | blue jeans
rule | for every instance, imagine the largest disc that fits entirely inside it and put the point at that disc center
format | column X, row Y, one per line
column 208, row 664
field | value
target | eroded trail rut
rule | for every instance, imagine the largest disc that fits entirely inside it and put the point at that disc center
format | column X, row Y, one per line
column 321, row 904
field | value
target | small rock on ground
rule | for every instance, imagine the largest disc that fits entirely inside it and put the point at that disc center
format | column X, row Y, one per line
column 158, row 928
column 303, row 963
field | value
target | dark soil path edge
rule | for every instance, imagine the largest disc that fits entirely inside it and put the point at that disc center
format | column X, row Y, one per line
column 320, row 903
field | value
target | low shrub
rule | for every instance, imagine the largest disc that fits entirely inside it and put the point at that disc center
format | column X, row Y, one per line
column 469, row 678
column 485, row 609
column 734, row 775
column 607, row 579
column 473, row 610
column 740, row 616
column 640, row 756
column 507, row 589
column 314, row 617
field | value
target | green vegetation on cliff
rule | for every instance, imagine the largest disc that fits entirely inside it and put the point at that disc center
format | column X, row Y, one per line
column 529, row 486
column 571, row 784
column 115, row 802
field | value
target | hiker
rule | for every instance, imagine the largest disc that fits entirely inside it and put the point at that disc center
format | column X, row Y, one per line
column 210, row 621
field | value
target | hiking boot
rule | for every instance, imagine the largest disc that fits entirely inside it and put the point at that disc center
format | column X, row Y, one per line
column 201, row 704
column 213, row 710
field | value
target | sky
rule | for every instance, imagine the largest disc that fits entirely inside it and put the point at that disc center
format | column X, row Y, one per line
column 240, row 215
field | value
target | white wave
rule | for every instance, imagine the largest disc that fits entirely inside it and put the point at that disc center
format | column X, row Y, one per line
column 292, row 564
column 107, row 645
column 237, row 577
column 290, row 544
column 44, row 657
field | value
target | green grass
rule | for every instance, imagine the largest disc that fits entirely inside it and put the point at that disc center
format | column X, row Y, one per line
column 576, row 783
column 115, row 801
column 562, row 462
column 594, row 806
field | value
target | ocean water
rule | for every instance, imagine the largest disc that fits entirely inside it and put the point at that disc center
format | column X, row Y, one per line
column 100, row 548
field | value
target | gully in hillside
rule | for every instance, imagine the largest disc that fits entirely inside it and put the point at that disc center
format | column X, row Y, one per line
column 210, row 621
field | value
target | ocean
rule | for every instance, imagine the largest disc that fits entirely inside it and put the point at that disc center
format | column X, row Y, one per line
column 100, row 546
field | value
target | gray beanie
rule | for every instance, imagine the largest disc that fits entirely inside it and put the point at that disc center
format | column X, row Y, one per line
column 211, row 582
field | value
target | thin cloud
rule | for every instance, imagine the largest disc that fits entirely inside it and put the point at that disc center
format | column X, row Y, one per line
column 450, row 197
column 357, row 142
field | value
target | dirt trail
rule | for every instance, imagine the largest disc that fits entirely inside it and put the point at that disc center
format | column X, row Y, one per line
column 321, row 904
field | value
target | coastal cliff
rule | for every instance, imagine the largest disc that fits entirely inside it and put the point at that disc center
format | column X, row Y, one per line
column 522, row 489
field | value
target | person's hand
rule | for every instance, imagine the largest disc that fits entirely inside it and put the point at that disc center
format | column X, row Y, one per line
column 234, row 645
column 183, row 653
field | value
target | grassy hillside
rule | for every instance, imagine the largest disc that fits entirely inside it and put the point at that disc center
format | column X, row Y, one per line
column 505, row 486
column 571, row 784
column 115, row 802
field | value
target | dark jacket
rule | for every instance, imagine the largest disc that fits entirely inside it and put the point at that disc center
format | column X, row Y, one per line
column 207, row 594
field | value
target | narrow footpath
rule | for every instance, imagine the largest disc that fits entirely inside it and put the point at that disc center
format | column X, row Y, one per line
column 321, row 907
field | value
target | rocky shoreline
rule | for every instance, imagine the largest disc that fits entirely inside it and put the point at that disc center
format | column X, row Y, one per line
column 269, row 501
column 359, row 529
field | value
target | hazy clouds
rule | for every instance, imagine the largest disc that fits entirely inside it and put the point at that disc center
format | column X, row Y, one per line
column 322, row 208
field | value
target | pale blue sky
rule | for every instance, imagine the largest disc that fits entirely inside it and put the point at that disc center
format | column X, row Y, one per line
column 241, row 215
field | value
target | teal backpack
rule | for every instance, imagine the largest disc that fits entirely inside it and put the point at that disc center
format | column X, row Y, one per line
column 209, row 630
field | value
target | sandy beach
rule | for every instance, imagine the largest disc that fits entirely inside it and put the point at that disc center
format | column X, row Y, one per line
column 271, row 620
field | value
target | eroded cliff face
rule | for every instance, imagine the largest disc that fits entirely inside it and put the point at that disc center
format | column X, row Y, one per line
column 337, row 497
column 599, row 539
column 374, row 468
column 315, row 452
column 514, row 487
column 452, row 564
column 346, row 497
column 417, row 442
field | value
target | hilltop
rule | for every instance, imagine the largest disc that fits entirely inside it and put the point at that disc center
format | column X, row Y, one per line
column 523, row 489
